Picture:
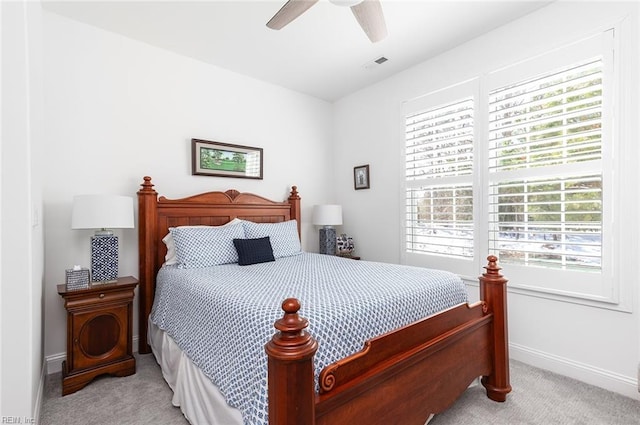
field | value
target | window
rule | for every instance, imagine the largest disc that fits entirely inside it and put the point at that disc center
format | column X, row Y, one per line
column 522, row 171
column 439, row 167
column 545, row 152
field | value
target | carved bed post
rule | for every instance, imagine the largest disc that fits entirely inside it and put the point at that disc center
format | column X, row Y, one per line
column 147, row 219
column 294, row 200
column 291, row 381
column 493, row 291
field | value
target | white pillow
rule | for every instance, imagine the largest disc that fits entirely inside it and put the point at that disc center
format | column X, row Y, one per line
column 283, row 236
column 171, row 259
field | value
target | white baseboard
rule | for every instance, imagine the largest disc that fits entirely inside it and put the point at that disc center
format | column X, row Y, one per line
column 608, row 380
column 625, row 385
column 39, row 397
column 54, row 361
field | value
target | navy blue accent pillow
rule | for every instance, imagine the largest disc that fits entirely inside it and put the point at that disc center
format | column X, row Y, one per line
column 254, row 251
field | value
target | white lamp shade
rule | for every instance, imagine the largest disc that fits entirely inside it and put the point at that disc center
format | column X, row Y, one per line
column 102, row 212
column 327, row 215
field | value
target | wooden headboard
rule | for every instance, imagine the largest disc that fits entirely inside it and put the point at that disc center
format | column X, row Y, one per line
column 156, row 215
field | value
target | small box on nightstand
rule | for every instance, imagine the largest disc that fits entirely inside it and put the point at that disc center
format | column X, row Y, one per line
column 77, row 278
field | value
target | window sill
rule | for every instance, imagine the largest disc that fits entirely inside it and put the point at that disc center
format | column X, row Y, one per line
column 623, row 306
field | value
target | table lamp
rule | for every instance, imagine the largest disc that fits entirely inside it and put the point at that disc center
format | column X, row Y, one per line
column 103, row 213
column 327, row 216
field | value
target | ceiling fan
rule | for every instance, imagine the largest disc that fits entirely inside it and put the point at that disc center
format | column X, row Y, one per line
column 368, row 13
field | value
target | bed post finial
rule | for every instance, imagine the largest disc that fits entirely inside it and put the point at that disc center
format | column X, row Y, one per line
column 291, row 380
column 493, row 291
column 294, row 193
column 493, row 271
column 146, row 184
column 291, row 324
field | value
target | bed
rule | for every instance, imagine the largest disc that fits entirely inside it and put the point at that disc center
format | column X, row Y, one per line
column 403, row 375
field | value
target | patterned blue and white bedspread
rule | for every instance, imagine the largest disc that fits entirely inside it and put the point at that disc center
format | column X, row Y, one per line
column 222, row 316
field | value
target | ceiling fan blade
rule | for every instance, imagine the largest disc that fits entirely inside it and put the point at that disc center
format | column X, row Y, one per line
column 290, row 11
column 371, row 19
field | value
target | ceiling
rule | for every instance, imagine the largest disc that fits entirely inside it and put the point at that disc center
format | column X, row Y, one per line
column 323, row 53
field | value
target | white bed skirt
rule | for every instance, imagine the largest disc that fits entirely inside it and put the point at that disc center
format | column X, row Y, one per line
column 198, row 398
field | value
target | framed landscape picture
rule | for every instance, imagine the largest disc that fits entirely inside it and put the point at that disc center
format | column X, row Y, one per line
column 225, row 160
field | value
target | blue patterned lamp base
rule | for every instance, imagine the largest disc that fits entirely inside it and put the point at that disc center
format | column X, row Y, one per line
column 104, row 258
column 328, row 241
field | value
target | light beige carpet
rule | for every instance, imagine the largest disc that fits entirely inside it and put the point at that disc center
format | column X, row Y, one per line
column 538, row 397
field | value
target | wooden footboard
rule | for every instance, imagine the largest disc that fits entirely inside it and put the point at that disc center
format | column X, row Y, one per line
column 400, row 377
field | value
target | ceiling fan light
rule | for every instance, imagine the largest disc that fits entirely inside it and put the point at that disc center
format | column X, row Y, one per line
column 345, row 3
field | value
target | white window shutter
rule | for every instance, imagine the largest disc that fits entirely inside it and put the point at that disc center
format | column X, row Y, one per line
column 439, row 180
column 545, row 164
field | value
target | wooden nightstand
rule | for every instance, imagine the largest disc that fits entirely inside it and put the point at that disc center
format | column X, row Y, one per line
column 99, row 332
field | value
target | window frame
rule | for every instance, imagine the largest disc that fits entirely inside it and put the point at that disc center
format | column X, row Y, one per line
column 606, row 291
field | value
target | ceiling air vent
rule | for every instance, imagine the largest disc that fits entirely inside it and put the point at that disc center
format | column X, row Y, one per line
column 375, row 63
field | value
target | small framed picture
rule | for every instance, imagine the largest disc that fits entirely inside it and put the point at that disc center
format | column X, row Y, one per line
column 361, row 177
column 225, row 160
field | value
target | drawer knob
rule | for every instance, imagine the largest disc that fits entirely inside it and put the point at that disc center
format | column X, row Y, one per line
column 101, row 295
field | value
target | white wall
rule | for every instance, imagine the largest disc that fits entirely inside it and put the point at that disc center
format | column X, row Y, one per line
column 21, row 252
column 118, row 109
column 596, row 345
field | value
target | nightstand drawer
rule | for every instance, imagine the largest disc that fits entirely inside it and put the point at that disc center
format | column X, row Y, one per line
column 98, row 297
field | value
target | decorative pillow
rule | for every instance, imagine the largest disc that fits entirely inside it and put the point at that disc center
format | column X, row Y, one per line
column 171, row 259
column 207, row 245
column 254, row 251
column 283, row 236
